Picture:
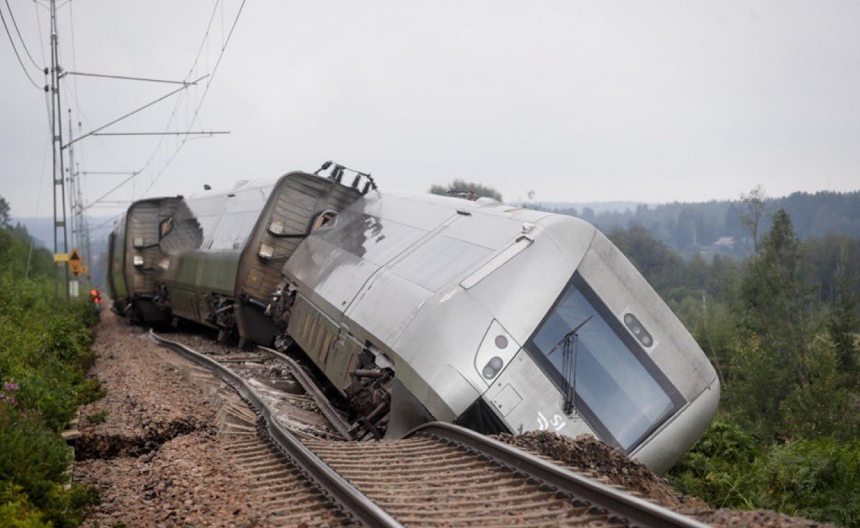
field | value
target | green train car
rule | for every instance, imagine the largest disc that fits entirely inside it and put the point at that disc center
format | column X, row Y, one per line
column 134, row 253
column 216, row 257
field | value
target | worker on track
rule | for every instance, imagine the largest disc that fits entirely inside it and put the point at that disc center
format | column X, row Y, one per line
column 96, row 299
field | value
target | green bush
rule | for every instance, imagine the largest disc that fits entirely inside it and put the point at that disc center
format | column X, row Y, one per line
column 44, row 354
column 44, row 347
column 16, row 510
column 97, row 417
column 818, row 479
column 90, row 390
column 31, row 455
column 718, row 468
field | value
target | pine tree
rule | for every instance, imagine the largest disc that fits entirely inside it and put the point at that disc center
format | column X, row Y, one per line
column 460, row 186
column 775, row 318
column 843, row 324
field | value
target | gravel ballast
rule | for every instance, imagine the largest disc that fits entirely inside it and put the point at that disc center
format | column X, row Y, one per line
column 154, row 452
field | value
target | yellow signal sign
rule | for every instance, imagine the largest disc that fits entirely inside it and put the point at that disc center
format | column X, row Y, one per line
column 61, row 257
column 75, row 263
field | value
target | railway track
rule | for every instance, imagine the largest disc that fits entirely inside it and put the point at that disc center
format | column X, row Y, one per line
column 301, row 484
column 440, row 475
column 289, row 499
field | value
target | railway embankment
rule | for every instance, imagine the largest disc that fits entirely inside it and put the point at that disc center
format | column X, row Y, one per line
column 158, row 451
column 154, row 452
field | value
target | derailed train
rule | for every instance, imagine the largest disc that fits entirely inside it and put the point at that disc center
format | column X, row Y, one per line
column 421, row 307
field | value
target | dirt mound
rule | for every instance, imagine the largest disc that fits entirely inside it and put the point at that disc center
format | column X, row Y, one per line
column 748, row 519
column 587, row 455
column 592, row 458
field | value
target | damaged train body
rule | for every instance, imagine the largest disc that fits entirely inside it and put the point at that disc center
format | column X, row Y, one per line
column 422, row 307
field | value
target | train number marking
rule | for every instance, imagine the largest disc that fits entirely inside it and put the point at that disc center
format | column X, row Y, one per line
column 557, row 422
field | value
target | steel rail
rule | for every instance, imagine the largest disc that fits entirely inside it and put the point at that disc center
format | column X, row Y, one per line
column 355, row 505
column 636, row 511
column 311, row 388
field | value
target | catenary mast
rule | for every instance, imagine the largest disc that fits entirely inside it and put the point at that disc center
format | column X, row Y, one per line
column 59, row 187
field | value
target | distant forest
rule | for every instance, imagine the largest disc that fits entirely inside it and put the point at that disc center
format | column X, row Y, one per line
column 782, row 328
column 716, row 227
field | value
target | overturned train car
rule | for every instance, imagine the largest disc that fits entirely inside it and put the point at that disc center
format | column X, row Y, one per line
column 419, row 307
column 500, row 318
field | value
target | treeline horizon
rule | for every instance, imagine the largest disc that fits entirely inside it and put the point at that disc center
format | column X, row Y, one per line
column 705, row 228
column 781, row 327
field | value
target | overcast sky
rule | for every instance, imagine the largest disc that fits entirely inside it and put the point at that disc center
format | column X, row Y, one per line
column 578, row 101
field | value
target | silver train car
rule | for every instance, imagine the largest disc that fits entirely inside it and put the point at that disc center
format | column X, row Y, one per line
column 421, row 307
column 223, row 254
column 500, row 318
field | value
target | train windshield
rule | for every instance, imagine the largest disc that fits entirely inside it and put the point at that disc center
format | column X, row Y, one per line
column 611, row 381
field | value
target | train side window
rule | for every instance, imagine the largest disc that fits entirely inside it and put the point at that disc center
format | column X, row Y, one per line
column 165, row 227
column 324, row 220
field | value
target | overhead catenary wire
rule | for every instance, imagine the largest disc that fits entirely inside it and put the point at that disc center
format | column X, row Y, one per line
column 203, row 97
column 17, row 55
column 196, row 133
column 127, row 78
column 194, row 119
column 38, row 203
column 18, row 31
column 117, row 120
column 106, row 222
column 203, row 42
column 176, row 106
column 89, row 124
column 39, row 27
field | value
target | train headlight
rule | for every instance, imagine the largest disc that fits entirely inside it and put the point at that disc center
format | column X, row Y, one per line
column 138, row 261
column 492, row 368
column 638, row 330
column 266, row 251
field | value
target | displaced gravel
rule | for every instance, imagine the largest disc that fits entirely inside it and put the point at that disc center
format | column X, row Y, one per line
column 595, row 459
column 156, row 457
column 586, row 454
column 748, row 519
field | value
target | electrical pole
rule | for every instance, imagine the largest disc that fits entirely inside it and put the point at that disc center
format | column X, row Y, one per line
column 80, row 232
column 60, row 260
column 73, row 204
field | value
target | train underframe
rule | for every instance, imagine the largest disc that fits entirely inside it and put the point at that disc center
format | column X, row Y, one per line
column 371, row 388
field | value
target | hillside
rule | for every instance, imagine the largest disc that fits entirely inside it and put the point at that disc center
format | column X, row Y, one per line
column 715, row 227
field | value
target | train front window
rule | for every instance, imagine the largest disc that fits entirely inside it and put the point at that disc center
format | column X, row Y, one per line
column 614, row 385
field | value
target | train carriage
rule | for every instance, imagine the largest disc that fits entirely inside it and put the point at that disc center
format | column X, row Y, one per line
column 134, row 253
column 502, row 319
column 223, row 272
